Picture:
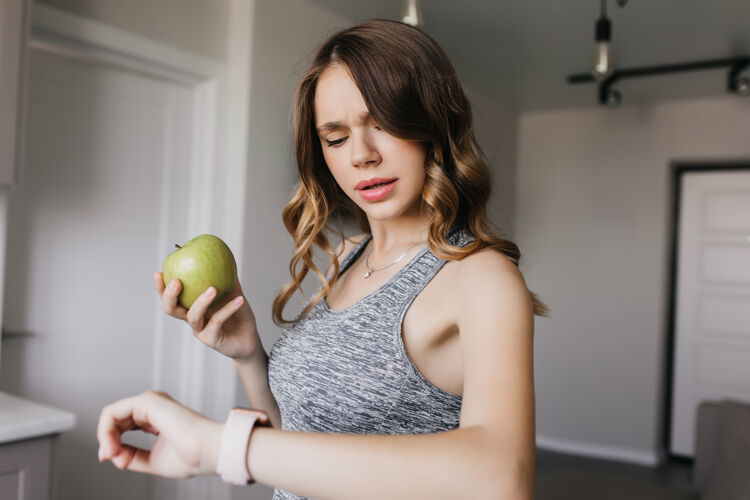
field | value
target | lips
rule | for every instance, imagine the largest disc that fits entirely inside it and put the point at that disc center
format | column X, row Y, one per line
column 373, row 182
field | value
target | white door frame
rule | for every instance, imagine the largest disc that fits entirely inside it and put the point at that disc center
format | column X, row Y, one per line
column 678, row 170
column 206, row 381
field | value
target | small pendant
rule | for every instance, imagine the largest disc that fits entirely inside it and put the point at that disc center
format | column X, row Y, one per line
column 367, row 274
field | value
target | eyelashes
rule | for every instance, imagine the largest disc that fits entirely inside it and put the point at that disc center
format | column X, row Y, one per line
column 337, row 142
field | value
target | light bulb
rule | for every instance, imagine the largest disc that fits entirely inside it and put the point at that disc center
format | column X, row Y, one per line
column 743, row 87
column 412, row 13
column 602, row 67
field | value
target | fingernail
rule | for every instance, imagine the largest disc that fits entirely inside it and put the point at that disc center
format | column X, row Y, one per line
column 209, row 292
column 238, row 300
column 173, row 284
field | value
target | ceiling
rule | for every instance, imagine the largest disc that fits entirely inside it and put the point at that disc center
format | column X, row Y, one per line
column 520, row 52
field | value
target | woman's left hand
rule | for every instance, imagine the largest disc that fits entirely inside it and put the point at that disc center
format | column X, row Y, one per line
column 187, row 444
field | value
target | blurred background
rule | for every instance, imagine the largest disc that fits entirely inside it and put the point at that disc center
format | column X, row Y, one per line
column 128, row 127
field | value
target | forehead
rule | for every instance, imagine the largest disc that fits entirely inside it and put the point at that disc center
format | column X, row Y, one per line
column 337, row 98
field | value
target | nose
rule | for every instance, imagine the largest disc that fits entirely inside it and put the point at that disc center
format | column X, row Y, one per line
column 364, row 151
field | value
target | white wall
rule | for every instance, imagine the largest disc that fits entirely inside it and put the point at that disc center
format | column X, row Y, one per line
column 285, row 34
column 196, row 26
column 496, row 130
column 593, row 224
column 82, row 247
column 81, row 252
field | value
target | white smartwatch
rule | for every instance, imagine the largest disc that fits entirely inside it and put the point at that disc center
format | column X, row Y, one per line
column 232, row 465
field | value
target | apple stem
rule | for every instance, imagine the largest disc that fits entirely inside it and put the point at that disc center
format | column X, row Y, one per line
column 178, row 246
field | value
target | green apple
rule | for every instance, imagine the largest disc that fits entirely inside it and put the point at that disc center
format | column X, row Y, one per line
column 202, row 262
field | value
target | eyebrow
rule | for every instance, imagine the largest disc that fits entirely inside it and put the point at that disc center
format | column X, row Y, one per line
column 327, row 127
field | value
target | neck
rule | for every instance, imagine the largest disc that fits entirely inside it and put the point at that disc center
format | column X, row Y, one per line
column 392, row 237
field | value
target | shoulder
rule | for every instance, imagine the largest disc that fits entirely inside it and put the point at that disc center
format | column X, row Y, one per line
column 489, row 279
column 491, row 263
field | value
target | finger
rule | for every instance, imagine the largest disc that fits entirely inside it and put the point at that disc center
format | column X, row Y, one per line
column 237, row 289
column 133, row 459
column 159, row 283
column 122, row 416
column 169, row 300
column 219, row 317
column 197, row 312
column 110, row 427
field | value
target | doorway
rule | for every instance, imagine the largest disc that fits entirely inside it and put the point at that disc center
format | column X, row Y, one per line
column 709, row 331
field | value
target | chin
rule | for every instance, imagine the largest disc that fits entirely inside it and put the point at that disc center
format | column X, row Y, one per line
column 386, row 210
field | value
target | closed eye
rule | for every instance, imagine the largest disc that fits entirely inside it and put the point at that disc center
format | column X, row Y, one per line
column 340, row 141
column 336, row 142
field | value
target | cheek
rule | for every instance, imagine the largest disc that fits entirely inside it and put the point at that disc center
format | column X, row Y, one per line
column 417, row 164
column 333, row 166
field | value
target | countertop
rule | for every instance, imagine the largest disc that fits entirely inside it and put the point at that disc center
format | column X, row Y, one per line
column 24, row 419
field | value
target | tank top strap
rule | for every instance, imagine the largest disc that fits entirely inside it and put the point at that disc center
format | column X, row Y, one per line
column 430, row 263
column 424, row 265
column 352, row 256
column 455, row 236
column 408, row 283
column 343, row 265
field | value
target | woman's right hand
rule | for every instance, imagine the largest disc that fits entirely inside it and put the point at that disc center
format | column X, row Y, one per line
column 228, row 326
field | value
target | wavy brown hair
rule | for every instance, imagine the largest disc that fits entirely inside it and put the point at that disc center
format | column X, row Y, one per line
column 412, row 92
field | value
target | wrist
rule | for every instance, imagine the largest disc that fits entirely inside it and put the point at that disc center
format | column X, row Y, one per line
column 232, row 464
column 211, row 447
column 210, row 444
column 258, row 356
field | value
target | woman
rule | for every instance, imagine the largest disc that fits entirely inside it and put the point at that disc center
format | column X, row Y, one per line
column 410, row 373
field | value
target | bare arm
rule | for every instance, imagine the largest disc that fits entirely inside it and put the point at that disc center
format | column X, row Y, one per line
column 254, row 376
column 491, row 454
column 462, row 463
column 229, row 328
column 254, row 371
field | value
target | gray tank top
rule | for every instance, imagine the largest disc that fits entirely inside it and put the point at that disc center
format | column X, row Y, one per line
column 348, row 371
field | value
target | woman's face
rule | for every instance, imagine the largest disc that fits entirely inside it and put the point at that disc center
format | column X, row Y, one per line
column 357, row 150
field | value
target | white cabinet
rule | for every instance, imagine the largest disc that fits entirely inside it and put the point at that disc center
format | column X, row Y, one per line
column 27, row 469
column 28, row 435
column 14, row 33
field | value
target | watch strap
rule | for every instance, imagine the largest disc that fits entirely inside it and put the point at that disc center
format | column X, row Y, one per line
column 235, row 440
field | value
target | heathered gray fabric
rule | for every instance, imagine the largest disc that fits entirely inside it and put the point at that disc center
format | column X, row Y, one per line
column 348, row 371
